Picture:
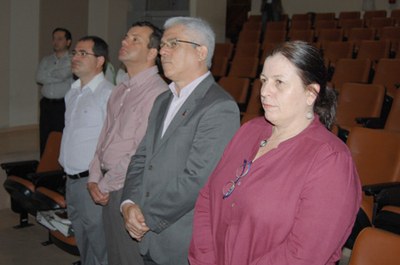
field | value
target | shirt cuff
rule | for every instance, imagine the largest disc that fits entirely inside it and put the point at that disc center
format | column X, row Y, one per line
column 125, row 202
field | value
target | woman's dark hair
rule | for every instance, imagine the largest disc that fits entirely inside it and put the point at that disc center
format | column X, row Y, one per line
column 312, row 70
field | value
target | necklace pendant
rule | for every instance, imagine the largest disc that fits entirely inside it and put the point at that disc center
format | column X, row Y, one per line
column 263, row 143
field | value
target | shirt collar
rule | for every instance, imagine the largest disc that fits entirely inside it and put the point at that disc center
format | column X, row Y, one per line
column 92, row 85
column 188, row 89
column 140, row 78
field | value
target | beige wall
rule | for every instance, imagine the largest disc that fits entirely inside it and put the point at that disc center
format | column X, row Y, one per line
column 5, row 11
column 23, row 56
column 216, row 15
column 108, row 19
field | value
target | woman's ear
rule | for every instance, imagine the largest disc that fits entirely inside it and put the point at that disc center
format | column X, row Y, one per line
column 312, row 93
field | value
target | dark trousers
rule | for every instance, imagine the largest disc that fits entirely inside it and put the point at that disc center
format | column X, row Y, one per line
column 121, row 248
column 51, row 119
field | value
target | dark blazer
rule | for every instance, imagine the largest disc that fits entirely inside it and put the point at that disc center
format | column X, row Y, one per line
column 166, row 174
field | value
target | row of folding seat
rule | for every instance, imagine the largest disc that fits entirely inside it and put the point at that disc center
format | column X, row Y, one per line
column 36, row 186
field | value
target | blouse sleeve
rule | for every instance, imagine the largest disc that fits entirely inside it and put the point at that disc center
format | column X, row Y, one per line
column 327, row 208
column 201, row 249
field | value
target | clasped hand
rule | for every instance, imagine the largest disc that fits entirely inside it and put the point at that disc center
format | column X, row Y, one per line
column 97, row 196
column 134, row 221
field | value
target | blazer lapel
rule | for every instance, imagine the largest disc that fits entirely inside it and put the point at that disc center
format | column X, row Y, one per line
column 186, row 111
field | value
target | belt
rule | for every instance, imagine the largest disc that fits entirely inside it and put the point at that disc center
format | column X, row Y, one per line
column 83, row 174
column 53, row 100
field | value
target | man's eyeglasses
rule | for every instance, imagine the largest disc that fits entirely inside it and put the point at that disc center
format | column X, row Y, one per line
column 230, row 186
column 82, row 53
column 172, row 44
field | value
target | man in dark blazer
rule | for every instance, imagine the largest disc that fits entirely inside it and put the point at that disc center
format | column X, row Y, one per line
column 189, row 127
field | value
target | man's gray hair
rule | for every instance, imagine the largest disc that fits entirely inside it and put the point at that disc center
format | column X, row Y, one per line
column 198, row 29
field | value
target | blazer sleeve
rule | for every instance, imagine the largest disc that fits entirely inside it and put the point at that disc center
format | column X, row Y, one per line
column 214, row 130
column 134, row 175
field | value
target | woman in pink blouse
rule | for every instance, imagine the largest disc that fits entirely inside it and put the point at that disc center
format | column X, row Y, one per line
column 286, row 191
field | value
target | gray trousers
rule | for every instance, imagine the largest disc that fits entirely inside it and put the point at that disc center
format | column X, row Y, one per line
column 87, row 222
column 122, row 249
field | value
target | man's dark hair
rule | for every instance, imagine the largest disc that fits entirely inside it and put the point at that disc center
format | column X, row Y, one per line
column 68, row 35
column 155, row 37
column 100, row 48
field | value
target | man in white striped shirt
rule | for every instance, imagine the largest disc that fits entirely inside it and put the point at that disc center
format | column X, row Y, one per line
column 86, row 105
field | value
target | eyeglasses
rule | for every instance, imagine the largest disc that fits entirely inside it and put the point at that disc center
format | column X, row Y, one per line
column 230, row 186
column 172, row 44
column 82, row 53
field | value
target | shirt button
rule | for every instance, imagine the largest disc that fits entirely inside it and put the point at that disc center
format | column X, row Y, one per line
column 147, row 194
column 150, row 167
column 233, row 204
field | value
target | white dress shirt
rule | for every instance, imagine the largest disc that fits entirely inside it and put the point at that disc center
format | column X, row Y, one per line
column 178, row 100
column 55, row 75
column 84, row 117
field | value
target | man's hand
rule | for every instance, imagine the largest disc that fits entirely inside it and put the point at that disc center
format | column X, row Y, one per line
column 97, row 196
column 134, row 221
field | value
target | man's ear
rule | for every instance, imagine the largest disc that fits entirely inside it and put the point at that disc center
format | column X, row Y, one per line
column 202, row 52
column 312, row 93
column 100, row 61
column 152, row 55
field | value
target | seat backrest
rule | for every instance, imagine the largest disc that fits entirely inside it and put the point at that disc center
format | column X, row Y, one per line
column 387, row 74
column 393, row 35
column 223, row 49
column 276, row 25
column 335, row 50
column 351, row 71
column 248, row 36
column 376, row 154
column 356, row 35
column 244, row 67
column 393, row 120
column 301, row 34
column 254, row 105
column 300, row 24
column 49, row 159
column 380, row 22
column 219, row 66
column 301, row 16
column 376, row 247
column 238, row 87
column 369, row 14
column 247, row 50
column 274, row 36
column 358, row 100
column 347, row 24
column 349, row 14
column 374, row 49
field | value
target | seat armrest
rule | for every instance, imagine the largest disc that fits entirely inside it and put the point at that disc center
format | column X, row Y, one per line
column 389, row 196
column 375, row 189
column 20, row 168
column 370, row 122
column 53, row 180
